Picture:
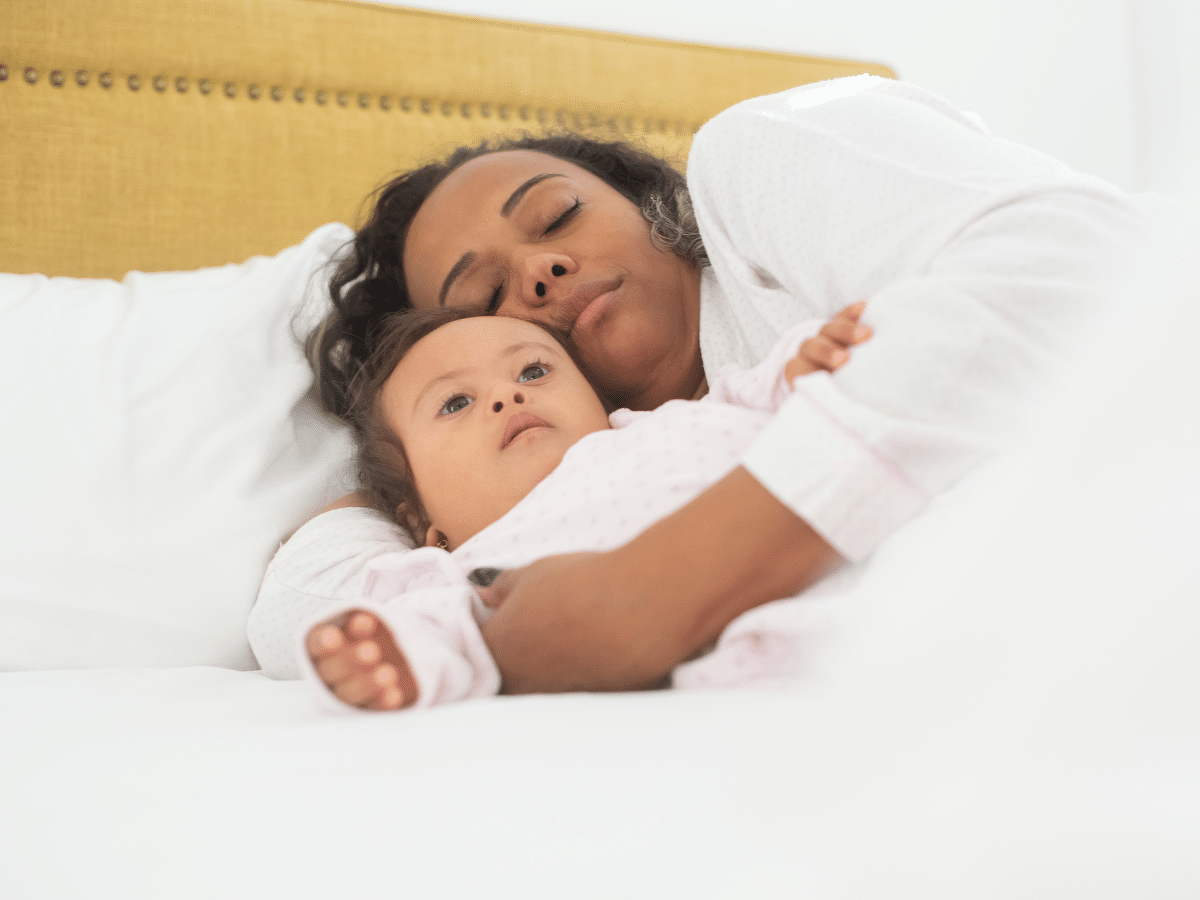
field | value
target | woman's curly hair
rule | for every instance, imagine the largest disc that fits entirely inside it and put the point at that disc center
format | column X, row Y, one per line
column 369, row 283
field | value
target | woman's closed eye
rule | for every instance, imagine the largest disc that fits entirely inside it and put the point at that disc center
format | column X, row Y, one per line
column 563, row 218
column 494, row 299
column 457, row 403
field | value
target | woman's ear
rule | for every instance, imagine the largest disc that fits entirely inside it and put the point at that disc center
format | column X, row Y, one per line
column 434, row 538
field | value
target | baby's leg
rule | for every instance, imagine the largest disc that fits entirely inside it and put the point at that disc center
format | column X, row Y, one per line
column 357, row 658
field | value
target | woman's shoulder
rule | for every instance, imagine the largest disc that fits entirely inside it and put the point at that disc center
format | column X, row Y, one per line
column 818, row 102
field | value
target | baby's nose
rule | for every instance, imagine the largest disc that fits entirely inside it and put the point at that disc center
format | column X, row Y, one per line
column 517, row 397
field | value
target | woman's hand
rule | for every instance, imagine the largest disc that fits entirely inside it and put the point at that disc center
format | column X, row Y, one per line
column 829, row 350
column 622, row 620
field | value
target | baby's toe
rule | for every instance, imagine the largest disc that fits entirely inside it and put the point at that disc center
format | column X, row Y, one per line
column 386, row 675
column 324, row 640
column 361, row 625
column 337, row 667
column 358, row 690
column 367, row 653
column 391, row 698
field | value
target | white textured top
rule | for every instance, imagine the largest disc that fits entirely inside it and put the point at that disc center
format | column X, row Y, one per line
column 980, row 259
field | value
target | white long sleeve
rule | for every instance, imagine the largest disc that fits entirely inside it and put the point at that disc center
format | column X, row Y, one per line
column 981, row 260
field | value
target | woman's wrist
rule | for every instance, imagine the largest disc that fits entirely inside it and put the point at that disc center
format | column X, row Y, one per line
column 733, row 548
column 622, row 620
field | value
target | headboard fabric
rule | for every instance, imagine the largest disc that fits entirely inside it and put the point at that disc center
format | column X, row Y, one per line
column 156, row 135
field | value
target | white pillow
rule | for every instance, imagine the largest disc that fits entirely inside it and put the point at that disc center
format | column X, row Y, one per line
column 160, row 441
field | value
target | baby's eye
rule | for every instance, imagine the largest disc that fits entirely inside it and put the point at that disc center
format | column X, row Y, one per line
column 454, row 404
column 533, row 373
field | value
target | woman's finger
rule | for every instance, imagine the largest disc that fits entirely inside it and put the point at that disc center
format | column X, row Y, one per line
column 483, row 576
column 495, row 594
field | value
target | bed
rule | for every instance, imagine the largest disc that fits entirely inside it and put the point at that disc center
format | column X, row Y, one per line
column 1000, row 705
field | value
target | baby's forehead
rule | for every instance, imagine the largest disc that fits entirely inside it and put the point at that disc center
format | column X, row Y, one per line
column 496, row 334
column 465, row 345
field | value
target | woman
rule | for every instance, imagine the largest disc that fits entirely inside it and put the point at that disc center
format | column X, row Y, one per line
column 979, row 260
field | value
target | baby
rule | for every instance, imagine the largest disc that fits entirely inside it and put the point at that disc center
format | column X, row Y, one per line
column 484, row 439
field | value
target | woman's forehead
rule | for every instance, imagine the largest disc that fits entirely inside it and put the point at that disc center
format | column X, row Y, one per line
column 505, row 169
column 475, row 194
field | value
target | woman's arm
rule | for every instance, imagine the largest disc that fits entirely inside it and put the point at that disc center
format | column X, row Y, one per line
column 622, row 620
column 977, row 258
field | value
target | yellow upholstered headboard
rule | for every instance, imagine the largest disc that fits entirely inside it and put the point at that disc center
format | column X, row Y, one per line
column 157, row 135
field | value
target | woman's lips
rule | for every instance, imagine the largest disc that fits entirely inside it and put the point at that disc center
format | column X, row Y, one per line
column 591, row 302
column 519, row 423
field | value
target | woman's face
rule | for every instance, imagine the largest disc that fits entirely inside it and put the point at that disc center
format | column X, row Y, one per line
column 530, row 236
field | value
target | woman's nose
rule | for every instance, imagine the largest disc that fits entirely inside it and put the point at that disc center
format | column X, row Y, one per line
column 542, row 279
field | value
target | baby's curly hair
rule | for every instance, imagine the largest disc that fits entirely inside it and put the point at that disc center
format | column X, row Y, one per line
column 369, row 282
column 384, row 475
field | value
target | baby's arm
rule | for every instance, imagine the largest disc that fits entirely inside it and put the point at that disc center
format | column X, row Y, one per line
column 357, row 658
column 829, row 349
column 410, row 639
column 319, row 571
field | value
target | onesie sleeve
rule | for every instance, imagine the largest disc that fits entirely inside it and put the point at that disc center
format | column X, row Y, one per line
column 981, row 262
column 426, row 603
column 319, row 568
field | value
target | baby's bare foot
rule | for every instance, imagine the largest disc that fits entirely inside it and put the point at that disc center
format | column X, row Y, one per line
column 357, row 658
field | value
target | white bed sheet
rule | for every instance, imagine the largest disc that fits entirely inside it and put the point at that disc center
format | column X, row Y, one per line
column 1008, row 706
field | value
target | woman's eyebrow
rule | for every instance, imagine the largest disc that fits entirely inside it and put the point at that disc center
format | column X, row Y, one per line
column 511, row 203
column 464, row 262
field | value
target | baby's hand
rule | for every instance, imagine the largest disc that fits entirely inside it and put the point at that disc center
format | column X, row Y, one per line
column 829, row 350
column 359, row 662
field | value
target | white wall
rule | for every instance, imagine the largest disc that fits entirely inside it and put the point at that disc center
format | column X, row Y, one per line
column 1165, row 36
column 1055, row 74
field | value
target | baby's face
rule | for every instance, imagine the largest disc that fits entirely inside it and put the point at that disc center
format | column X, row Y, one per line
column 485, row 408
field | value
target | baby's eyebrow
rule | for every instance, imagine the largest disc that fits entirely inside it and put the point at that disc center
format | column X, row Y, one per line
column 434, row 382
column 525, row 345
